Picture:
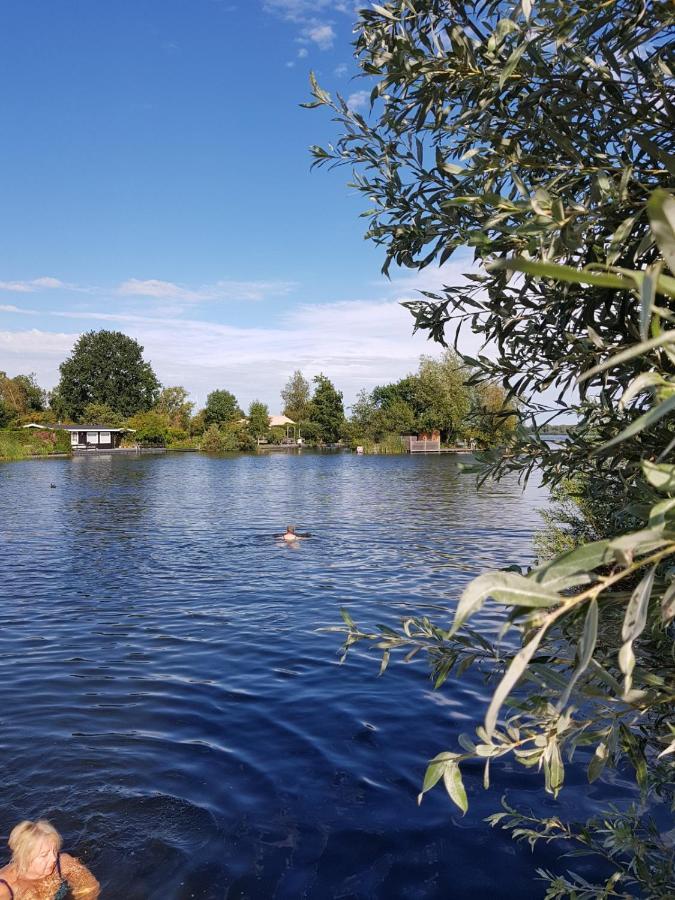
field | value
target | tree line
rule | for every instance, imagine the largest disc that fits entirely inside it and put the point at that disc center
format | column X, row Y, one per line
column 106, row 381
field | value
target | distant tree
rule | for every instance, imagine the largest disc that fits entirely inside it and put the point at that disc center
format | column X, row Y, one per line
column 5, row 415
column 443, row 398
column 296, row 397
column 197, row 424
column 21, row 395
column 492, row 420
column 311, row 432
column 227, row 438
column 258, row 419
column 150, row 427
column 106, row 367
column 34, row 397
column 214, row 440
column 406, row 390
column 363, row 412
column 382, row 412
column 221, row 406
column 101, row 414
column 173, row 402
column 327, row 410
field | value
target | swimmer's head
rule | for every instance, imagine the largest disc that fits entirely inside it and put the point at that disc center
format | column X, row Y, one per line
column 290, row 529
column 35, row 847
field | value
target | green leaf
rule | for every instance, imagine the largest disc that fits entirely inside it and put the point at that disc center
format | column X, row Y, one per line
column 452, row 779
column 504, row 587
column 598, row 762
column 504, row 27
column 641, row 349
column 435, row 771
column 585, row 650
column 668, row 604
column 640, row 383
column 659, row 514
column 655, row 414
column 637, row 543
column 618, row 238
column 347, row 618
column 580, row 560
column 661, row 212
column 660, row 475
column 647, row 296
column 384, row 12
column 433, row 775
column 560, row 273
column 634, row 623
column 555, row 770
column 513, row 674
column 511, row 64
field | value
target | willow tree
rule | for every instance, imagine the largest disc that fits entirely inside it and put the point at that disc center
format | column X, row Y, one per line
column 537, row 138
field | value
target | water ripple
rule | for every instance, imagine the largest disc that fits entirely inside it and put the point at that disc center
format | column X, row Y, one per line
column 171, row 703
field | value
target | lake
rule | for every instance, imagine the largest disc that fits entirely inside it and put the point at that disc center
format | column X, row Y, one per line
column 171, row 704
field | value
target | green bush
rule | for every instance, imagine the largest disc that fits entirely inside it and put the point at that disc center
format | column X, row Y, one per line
column 216, row 441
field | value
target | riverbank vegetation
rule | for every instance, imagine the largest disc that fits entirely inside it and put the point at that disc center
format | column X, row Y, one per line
column 540, row 136
column 442, row 397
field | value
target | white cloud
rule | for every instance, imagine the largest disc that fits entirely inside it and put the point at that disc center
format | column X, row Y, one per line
column 341, row 70
column 322, row 35
column 297, row 10
column 7, row 308
column 311, row 16
column 356, row 343
column 219, row 290
column 358, row 100
column 33, row 285
column 302, row 52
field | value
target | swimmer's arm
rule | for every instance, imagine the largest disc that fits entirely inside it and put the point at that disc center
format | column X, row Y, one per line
column 82, row 883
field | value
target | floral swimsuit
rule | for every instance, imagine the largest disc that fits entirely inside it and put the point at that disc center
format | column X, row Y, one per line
column 61, row 891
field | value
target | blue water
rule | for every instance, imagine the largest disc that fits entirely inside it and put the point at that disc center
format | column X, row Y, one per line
column 171, row 704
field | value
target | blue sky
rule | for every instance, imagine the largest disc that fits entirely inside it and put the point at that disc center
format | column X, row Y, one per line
column 155, row 179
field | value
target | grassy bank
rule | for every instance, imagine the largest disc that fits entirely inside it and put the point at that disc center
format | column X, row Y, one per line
column 390, row 444
column 20, row 443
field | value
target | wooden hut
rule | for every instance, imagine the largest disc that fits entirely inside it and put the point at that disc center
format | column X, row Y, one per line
column 88, row 437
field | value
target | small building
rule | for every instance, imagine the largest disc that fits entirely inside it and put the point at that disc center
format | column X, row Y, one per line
column 426, row 442
column 284, row 422
column 88, row 437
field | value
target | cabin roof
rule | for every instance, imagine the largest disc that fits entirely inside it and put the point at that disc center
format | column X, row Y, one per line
column 59, row 427
column 280, row 420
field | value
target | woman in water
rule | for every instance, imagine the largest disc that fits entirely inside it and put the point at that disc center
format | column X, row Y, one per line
column 39, row 871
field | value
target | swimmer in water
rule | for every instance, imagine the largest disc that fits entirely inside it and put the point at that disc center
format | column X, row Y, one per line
column 290, row 535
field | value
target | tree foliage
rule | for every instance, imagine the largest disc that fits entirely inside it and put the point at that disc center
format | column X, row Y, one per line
column 258, row 419
column 101, row 414
column 438, row 397
column 151, row 427
column 20, row 396
column 106, row 367
column 173, row 403
column 327, row 410
column 539, row 136
column 221, row 406
column 296, row 397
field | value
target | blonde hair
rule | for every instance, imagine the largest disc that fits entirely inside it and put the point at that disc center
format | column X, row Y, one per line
column 26, row 836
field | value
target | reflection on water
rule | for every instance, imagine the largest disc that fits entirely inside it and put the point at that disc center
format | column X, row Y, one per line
column 171, row 704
